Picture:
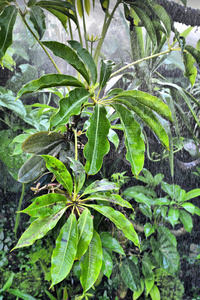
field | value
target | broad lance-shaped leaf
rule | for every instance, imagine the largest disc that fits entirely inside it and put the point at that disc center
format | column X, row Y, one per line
column 114, row 198
column 133, row 140
column 64, row 254
column 48, row 81
column 85, row 232
column 65, row 52
column 106, row 70
column 40, row 140
column 46, row 205
column 86, row 57
column 164, row 17
column 79, row 173
column 7, row 22
column 107, row 264
column 110, row 243
column 100, row 186
column 37, row 17
column 69, row 106
column 39, row 228
column 119, row 220
column 91, row 263
column 97, row 145
column 130, row 274
column 60, row 171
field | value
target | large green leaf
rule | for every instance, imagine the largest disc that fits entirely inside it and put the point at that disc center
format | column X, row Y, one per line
column 46, row 205
column 60, row 171
column 110, row 243
column 49, row 80
column 165, row 251
column 194, row 52
column 155, row 293
column 35, row 165
column 86, row 57
column 100, row 186
column 190, row 69
column 8, row 100
column 98, row 144
column 79, row 173
column 106, row 70
column 37, row 17
column 192, row 194
column 7, row 22
column 40, row 140
column 91, row 263
column 39, row 228
column 107, row 264
column 173, row 215
column 130, row 274
column 147, row 267
column 61, row 15
column 113, row 198
column 164, row 18
column 186, row 219
column 69, row 106
column 85, row 231
column 65, row 52
column 133, row 140
column 119, row 220
column 64, row 254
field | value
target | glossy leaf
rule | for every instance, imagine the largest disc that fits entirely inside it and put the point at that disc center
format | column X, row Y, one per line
column 8, row 100
column 91, row 263
column 35, row 165
column 107, row 264
column 40, row 140
column 130, row 274
column 49, row 80
column 39, row 228
column 110, row 243
column 164, row 18
column 64, row 254
column 147, row 267
column 192, row 194
column 79, row 173
column 189, row 207
column 190, row 69
column 87, row 59
column 119, row 220
column 62, row 16
column 69, row 106
column 97, row 146
column 100, row 186
column 165, row 250
column 173, row 215
column 149, row 229
column 46, row 205
column 186, row 220
column 139, row 292
column 148, row 285
column 114, row 198
column 60, row 171
column 113, row 138
column 174, row 191
column 85, row 232
column 65, row 52
column 7, row 22
column 194, row 52
column 8, row 283
column 138, row 197
column 105, row 72
column 133, row 140
column 37, row 17
column 155, row 293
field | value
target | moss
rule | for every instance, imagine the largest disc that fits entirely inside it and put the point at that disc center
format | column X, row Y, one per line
column 171, row 288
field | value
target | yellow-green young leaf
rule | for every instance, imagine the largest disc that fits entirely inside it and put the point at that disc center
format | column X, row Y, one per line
column 91, row 263
column 87, row 6
column 7, row 22
column 80, row 7
column 49, row 80
column 60, row 171
column 190, row 69
column 64, row 254
column 39, row 228
column 98, row 145
column 85, row 231
column 46, row 205
column 133, row 140
column 148, row 285
column 155, row 293
column 119, row 220
column 192, row 194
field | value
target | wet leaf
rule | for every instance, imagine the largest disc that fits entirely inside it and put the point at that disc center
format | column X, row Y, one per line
column 110, row 243
column 130, row 274
column 186, row 219
column 113, row 198
column 79, row 173
column 100, row 186
column 8, row 100
column 107, row 264
column 173, row 215
column 37, row 17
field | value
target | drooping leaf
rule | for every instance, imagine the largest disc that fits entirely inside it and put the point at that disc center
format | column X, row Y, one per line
column 49, row 80
column 37, row 17
column 40, row 140
column 173, row 215
column 110, row 243
column 139, row 292
column 39, row 228
column 91, row 263
column 107, row 264
column 35, row 165
column 105, row 72
column 190, row 69
column 61, row 15
column 130, row 274
column 100, row 186
column 164, row 17
column 65, row 52
column 147, row 267
column 113, row 198
column 86, row 57
column 46, row 205
column 69, row 106
column 155, row 293
column 79, row 173
column 64, row 254
column 113, row 138
column 133, row 140
column 119, row 220
column 85, row 233
column 60, row 171
column 87, row 6
column 98, row 144
column 7, row 22
column 80, row 8
column 8, row 100
column 194, row 52
column 186, row 219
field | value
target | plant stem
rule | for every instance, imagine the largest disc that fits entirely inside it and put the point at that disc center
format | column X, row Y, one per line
column 84, row 26
column 19, row 208
column 76, row 144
